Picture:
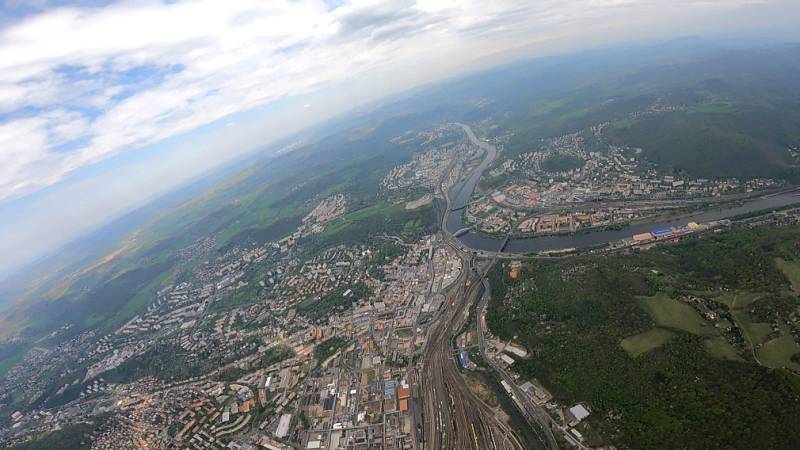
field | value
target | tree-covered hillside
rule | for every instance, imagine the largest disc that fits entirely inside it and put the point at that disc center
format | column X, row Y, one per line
column 692, row 345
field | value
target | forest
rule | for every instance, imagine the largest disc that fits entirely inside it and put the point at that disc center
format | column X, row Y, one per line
column 619, row 333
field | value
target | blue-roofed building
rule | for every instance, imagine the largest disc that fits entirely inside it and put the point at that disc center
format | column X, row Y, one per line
column 463, row 358
column 388, row 388
column 660, row 232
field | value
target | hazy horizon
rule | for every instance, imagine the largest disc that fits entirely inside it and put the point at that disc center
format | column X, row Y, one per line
column 97, row 119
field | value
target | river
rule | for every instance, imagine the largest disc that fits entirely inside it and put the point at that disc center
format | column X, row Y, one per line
column 461, row 193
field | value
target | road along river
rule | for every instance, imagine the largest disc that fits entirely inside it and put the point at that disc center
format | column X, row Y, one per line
column 462, row 192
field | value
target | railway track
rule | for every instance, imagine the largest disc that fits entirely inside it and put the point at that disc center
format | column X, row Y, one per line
column 454, row 418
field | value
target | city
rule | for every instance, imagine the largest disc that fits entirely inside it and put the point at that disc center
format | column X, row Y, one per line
column 416, row 225
column 354, row 347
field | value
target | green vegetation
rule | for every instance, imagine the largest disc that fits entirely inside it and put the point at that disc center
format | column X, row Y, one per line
column 164, row 362
column 332, row 302
column 251, row 293
column 561, row 163
column 778, row 352
column 790, row 269
column 169, row 362
column 737, row 300
column 329, row 347
column 362, row 218
column 742, row 144
column 644, row 342
column 674, row 314
column 617, row 332
column 357, row 227
column 383, row 252
column 231, row 374
column 303, row 419
column 276, row 354
column 138, row 302
column 50, row 398
column 11, row 353
column 755, row 333
column 71, row 437
column 106, row 305
column 273, row 231
column 718, row 347
column 716, row 116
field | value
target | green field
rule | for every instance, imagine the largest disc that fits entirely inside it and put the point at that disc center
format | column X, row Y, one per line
column 362, row 215
column 609, row 332
column 718, row 347
column 791, row 269
column 755, row 332
column 737, row 299
column 778, row 352
column 644, row 342
column 670, row 313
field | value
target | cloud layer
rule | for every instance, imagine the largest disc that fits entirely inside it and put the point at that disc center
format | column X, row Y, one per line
column 81, row 83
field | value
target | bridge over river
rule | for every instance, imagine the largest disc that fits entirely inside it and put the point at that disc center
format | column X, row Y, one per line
column 461, row 193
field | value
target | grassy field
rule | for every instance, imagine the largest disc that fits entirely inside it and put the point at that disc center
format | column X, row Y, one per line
column 364, row 214
column 478, row 386
column 755, row 332
column 718, row 347
column 791, row 269
column 775, row 353
column 644, row 342
column 674, row 314
column 737, row 299
column 778, row 352
column 602, row 311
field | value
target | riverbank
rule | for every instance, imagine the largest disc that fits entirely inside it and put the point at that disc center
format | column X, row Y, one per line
column 554, row 243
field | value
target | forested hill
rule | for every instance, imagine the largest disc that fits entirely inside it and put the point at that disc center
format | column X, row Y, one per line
column 693, row 345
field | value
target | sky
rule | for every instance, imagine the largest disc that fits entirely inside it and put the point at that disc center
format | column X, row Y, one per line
column 106, row 104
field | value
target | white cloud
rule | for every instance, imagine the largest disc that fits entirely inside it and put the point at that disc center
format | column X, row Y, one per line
column 78, row 85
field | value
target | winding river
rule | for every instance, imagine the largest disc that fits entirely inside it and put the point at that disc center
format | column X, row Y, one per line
column 461, row 193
